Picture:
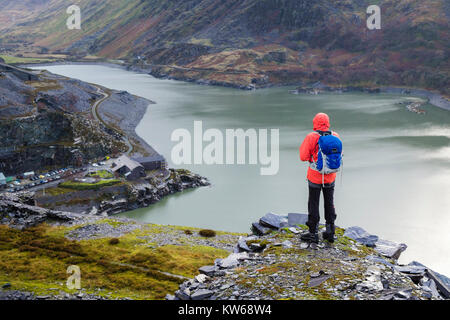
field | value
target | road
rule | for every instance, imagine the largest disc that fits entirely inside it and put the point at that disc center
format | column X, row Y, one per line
column 97, row 117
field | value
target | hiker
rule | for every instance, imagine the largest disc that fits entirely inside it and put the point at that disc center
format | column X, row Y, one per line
column 320, row 176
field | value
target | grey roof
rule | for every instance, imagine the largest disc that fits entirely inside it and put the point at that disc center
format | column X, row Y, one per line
column 124, row 161
column 153, row 158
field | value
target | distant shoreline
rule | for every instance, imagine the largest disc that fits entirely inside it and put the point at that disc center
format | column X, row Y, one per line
column 433, row 98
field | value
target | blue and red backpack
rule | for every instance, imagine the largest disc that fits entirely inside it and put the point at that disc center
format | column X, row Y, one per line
column 329, row 157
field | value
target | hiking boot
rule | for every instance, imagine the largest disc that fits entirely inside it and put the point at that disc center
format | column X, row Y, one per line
column 310, row 237
column 328, row 234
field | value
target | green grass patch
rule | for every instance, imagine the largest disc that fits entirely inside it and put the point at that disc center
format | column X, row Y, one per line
column 37, row 259
column 56, row 191
column 15, row 60
column 104, row 174
column 89, row 186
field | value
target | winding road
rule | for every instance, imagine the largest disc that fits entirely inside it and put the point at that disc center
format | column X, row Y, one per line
column 97, row 117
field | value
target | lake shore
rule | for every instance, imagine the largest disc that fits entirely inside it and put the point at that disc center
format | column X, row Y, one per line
column 434, row 98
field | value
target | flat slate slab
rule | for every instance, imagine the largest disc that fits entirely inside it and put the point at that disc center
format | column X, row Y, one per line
column 411, row 269
column 201, row 294
column 233, row 260
column 361, row 236
column 314, row 282
column 208, row 270
column 260, row 229
column 390, row 249
column 274, row 221
column 443, row 288
column 295, row 219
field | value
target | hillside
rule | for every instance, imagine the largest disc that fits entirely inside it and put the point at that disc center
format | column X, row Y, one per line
column 122, row 259
column 246, row 42
column 46, row 121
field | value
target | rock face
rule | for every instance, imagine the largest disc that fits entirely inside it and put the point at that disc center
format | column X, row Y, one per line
column 278, row 266
column 45, row 123
column 15, row 212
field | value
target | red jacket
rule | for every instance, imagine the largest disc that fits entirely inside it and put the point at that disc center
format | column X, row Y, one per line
column 309, row 149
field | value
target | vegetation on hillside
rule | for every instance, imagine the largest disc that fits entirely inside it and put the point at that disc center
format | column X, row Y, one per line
column 251, row 41
column 37, row 259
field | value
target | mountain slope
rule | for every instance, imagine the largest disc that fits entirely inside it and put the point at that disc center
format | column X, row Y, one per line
column 47, row 123
column 246, row 42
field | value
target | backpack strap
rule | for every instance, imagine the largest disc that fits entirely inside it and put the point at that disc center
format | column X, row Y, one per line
column 324, row 133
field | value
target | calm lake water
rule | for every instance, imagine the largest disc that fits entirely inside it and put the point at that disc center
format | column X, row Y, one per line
column 396, row 178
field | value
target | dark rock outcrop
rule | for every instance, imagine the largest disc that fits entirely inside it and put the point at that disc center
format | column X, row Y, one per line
column 15, row 212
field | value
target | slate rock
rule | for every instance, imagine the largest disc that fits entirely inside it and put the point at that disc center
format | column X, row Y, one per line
column 208, row 270
column 257, row 247
column 6, row 285
column 442, row 286
column 314, row 282
column 287, row 244
column 201, row 278
column 390, row 249
column 194, row 286
column 274, row 221
column 361, row 236
column 370, row 285
column 233, row 260
column 242, row 244
column 380, row 260
column 304, row 245
column 226, row 286
column 317, row 274
column 183, row 294
column 260, row 229
column 411, row 269
column 429, row 286
column 295, row 219
column 202, row 294
column 404, row 294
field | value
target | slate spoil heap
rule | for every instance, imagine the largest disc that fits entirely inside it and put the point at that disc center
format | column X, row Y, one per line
column 273, row 263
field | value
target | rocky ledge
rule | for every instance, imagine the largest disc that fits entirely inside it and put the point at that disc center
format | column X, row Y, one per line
column 273, row 263
column 6, row 294
column 18, row 211
column 153, row 190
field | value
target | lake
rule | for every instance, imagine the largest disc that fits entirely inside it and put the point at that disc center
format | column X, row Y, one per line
column 396, row 177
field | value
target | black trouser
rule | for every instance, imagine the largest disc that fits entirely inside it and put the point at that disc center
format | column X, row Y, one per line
column 313, row 205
